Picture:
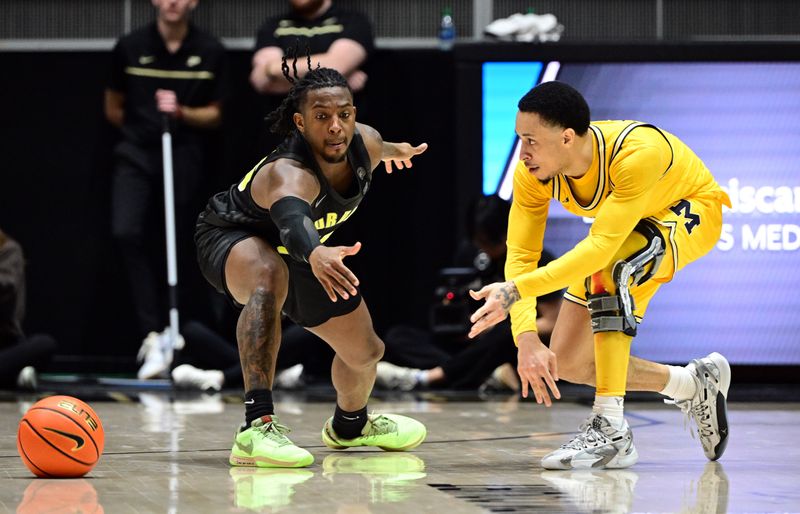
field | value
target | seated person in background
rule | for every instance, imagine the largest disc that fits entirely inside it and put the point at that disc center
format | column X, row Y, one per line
column 209, row 362
column 336, row 38
column 414, row 360
column 19, row 356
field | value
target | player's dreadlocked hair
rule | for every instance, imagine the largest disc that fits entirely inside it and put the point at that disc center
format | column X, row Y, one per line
column 280, row 120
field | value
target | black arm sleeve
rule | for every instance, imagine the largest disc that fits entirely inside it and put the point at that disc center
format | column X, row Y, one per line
column 292, row 216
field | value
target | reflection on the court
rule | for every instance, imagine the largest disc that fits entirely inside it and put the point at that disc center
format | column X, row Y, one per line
column 375, row 477
column 710, row 491
column 76, row 495
column 612, row 490
column 609, row 490
column 266, row 489
column 369, row 478
column 163, row 414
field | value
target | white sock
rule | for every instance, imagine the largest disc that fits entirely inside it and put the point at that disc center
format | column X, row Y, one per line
column 422, row 377
column 612, row 408
column 680, row 384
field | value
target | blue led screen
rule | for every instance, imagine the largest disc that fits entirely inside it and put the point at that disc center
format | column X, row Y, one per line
column 742, row 120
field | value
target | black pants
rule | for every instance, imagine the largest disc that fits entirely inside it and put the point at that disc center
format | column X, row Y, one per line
column 299, row 346
column 467, row 369
column 34, row 351
column 206, row 349
column 137, row 225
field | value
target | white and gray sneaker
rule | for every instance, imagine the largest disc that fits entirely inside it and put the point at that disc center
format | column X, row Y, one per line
column 598, row 446
column 187, row 376
column 708, row 407
column 289, row 378
column 156, row 354
column 390, row 376
column 26, row 380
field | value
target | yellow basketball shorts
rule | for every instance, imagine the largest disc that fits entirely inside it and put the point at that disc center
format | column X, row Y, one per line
column 690, row 228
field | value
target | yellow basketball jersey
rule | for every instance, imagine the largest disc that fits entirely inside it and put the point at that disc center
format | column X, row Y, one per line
column 637, row 171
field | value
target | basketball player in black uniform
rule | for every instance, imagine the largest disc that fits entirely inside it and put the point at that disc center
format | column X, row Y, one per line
column 262, row 244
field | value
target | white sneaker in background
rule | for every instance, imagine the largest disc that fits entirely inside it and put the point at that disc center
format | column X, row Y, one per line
column 187, row 376
column 155, row 359
column 539, row 27
column 507, row 28
column 503, row 378
column 156, row 354
column 390, row 376
column 164, row 336
column 26, row 380
column 290, row 378
column 526, row 28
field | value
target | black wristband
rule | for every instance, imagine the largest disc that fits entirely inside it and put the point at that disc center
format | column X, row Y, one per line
column 292, row 216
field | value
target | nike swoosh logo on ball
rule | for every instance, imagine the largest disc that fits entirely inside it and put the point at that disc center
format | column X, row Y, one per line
column 79, row 442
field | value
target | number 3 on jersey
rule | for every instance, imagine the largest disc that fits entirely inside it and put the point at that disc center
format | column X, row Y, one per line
column 684, row 208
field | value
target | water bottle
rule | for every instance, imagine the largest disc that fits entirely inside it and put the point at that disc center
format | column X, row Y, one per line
column 447, row 30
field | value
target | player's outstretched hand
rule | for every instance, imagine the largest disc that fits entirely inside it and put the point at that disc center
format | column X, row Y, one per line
column 499, row 296
column 400, row 155
column 336, row 278
column 537, row 368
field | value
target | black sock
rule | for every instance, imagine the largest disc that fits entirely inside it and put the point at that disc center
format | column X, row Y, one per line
column 257, row 403
column 348, row 425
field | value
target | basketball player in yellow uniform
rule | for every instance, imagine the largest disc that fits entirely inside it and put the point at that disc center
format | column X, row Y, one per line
column 656, row 208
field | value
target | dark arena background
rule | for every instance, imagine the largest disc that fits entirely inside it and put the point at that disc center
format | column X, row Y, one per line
column 722, row 75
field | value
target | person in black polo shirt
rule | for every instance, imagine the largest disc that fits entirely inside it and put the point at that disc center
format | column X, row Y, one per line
column 336, row 38
column 167, row 68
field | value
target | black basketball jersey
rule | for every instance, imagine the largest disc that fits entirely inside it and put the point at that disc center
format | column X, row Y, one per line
column 236, row 208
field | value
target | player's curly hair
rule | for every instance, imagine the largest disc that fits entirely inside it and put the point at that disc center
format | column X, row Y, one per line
column 280, row 120
column 558, row 104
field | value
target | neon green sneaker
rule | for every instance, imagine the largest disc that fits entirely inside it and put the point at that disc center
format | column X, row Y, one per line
column 265, row 445
column 390, row 432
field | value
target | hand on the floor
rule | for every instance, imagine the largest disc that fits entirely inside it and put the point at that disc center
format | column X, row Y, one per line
column 537, row 367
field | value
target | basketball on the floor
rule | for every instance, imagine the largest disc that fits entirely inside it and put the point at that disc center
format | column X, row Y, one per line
column 60, row 436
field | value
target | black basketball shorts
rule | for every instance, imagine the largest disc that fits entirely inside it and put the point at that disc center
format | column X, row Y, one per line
column 307, row 303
